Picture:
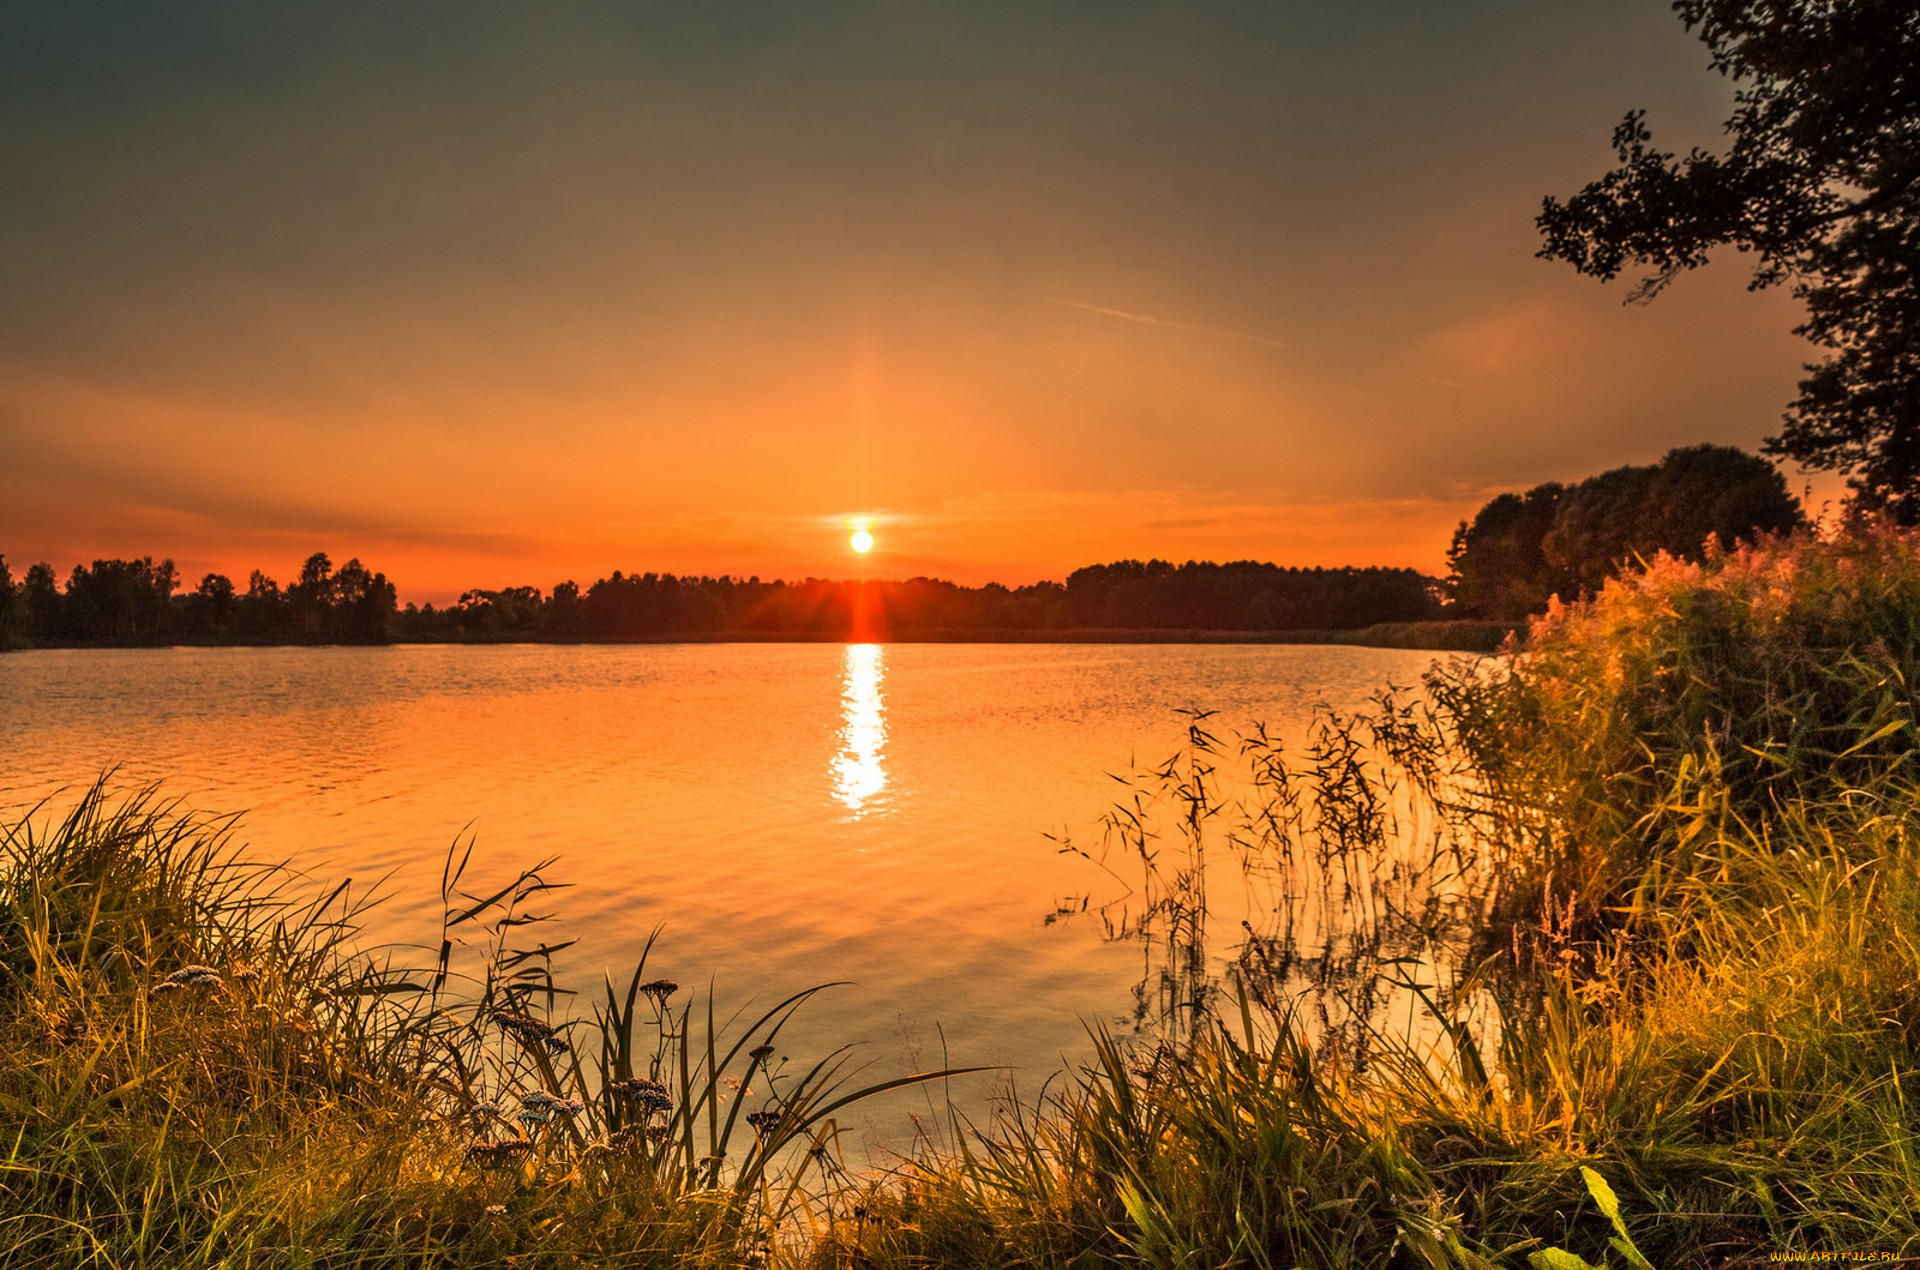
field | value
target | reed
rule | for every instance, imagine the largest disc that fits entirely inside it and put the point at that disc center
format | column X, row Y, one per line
column 1689, row 700
column 198, row 1067
column 1602, row 954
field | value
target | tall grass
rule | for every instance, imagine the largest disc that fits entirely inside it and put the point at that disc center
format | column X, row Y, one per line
column 197, row 1067
column 1690, row 700
column 1318, row 860
column 1604, row 953
column 1670, row 983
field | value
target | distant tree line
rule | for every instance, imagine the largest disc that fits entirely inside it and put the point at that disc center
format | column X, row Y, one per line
column 1517, row 552
column 1522, row 549
column 1127, row 596
column 137, row 602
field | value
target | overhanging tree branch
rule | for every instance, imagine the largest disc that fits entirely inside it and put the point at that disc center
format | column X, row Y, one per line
column 1830, row 101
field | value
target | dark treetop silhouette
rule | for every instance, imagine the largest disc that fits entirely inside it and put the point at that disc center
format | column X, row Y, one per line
column 117, row 602
column 1562, row 540
column 1821, row 183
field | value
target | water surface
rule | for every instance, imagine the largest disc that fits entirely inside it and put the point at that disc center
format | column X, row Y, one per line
column 787, row 814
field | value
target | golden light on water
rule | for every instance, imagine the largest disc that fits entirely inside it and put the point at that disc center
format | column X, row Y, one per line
column 859, row 775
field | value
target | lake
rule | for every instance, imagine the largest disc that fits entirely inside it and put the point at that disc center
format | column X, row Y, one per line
column 786, row 814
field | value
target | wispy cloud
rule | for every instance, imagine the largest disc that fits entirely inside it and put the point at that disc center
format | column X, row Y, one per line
column 1148, row 320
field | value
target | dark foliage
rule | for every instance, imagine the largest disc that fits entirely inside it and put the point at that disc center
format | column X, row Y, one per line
column 119, row 602
column 1246, row 595
column 132, row 603
column 123, row 602
column 13, row 608
column 1821, row 184
column 1498, row 563
column 1126, row 596
column 1522, row 549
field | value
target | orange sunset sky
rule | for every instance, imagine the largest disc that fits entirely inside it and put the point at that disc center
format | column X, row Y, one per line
column 492, row 295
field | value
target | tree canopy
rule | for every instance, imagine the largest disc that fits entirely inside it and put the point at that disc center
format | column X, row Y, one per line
column 13, row 609
column 133, row 603
column 1820, row 183
column 1520, row 550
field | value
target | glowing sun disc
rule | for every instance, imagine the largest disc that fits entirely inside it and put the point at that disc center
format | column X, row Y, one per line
column 861, row 541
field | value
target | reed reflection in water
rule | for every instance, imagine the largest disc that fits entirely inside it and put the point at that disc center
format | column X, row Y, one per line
column 859, row 776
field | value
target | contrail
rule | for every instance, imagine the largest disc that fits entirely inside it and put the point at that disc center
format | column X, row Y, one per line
column 1145, row 320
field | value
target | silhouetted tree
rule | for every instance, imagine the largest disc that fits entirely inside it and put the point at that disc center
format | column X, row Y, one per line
column 1717, row 490
column 13, row 609
column 1631, row 513
column 1520, row 550
column 262, row 610
column 1821, row 184
column 1497, row 563
column 424, row 624
column 1598, row 525
column 40, row 594
column 310, row 598
column 561, row 618
column 119, row 601
column 208, row 611
column 360, row 604
column 494, row 614
column 1197, row 595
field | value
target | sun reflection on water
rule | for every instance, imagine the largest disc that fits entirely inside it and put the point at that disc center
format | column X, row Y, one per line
column 858, row 774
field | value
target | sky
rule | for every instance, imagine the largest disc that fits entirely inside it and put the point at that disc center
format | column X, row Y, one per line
column 491, row 295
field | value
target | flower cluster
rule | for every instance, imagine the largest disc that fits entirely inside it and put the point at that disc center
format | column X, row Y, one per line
column 648, row 1094
column 540, row 1107
column 488, row 1152
column 530, row 1032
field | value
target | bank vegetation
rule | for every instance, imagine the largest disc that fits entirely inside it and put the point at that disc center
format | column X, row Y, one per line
column 1603, row 953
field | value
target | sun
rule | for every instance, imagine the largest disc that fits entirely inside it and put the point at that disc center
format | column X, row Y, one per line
column 861, row 541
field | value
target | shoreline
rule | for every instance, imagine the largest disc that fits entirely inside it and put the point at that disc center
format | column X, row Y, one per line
column 1436, row 636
